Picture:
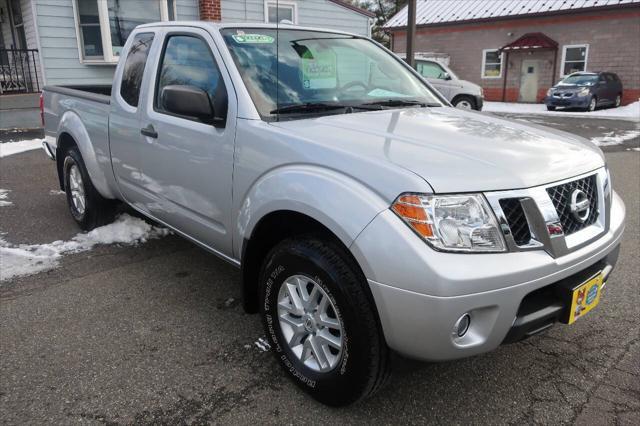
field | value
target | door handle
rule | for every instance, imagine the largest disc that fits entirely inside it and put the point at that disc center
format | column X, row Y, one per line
column 149, row 131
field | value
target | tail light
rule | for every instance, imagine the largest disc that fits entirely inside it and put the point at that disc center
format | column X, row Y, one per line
column 41, row 109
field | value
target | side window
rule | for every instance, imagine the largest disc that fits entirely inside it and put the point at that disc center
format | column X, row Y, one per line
column 430, row 70
column 134, row 68
column 187, row 61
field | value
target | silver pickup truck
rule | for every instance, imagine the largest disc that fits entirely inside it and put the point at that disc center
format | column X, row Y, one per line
column 366, row 214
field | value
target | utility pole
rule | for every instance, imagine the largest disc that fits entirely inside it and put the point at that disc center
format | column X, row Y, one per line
column 411, row 32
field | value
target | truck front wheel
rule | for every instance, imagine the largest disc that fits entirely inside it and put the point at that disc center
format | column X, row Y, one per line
column 88, row 208
column 321, row 322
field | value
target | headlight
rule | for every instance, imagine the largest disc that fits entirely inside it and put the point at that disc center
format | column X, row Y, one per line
column 550, row 92
column 584, row 91
column 460, row 223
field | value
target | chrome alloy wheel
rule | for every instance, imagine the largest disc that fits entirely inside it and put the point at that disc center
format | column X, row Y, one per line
column 77, row 189
column 309, row 323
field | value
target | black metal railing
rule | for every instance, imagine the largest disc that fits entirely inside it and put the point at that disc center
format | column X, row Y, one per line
column 19, row 71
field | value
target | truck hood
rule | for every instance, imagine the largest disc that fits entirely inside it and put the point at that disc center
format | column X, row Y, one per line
column 454, row 150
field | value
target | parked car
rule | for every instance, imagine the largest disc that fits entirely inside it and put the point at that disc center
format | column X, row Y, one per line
column 366, row 214
column 585, row 90
column 462, row 94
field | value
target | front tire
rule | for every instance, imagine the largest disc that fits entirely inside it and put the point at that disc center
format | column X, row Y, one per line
column 551, row 108
column 593, row 103
column 465, row 102
column 88, row 208
column 321, row 321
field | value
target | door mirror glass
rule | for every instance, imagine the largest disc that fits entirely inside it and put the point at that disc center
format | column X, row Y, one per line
column 188, row 101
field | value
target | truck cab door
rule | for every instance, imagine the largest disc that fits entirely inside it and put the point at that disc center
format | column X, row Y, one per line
column 187, row 162
column 124, row 119
column 436, row 75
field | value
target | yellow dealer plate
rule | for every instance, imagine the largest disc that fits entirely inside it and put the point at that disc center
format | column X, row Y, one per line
column 585, row 297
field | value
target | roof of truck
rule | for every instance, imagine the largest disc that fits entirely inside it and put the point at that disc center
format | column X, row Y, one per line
column 216, row 26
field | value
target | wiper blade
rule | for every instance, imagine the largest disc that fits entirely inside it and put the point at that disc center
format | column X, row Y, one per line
column 402, row 102
column 319, row 106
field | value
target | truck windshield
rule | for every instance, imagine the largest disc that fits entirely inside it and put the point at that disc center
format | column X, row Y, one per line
column 293, row 72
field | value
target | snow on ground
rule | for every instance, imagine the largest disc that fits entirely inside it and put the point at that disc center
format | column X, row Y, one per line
column 28, row 259
column 4, row 194
column 10, row 148
column 610, row 138
column 628, row 112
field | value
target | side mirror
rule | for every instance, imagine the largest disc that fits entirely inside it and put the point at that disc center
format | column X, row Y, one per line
column 190, row 101
column 446, row 76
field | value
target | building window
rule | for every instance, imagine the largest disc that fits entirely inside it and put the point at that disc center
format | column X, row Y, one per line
column 102, row 26
column 574, row 59
column 279, row 11
column 492, row 63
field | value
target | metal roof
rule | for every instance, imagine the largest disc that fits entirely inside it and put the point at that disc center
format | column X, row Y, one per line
column 429, row 12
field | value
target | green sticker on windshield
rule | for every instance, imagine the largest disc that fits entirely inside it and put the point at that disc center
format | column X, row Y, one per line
column 253, row 38
column 319, row 70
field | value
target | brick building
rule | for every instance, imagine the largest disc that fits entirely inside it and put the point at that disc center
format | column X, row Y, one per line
column 516, row 50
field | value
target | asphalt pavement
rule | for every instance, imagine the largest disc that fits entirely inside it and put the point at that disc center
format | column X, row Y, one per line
column 155, row 333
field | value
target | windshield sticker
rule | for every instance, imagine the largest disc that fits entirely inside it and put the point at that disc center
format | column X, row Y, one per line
column 253, row 38
column 319, row 70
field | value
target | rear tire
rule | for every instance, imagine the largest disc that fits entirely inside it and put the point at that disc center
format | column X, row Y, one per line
column 357, row 366
column 88, row 208
column 618, row 100
column 465, row 102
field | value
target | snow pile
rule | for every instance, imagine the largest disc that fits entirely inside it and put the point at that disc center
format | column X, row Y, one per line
column 628, row 112
column 28, row 259
column 10, row 148
column 4, row 194
column 610, row 138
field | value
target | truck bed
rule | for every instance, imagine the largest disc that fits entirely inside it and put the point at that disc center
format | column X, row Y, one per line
column 97, row 93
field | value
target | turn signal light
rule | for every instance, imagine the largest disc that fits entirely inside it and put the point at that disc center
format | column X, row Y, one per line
column 409, row 208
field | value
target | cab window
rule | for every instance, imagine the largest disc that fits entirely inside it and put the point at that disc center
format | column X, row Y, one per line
column 134, row 68
column 187, row 61
column 430, row 70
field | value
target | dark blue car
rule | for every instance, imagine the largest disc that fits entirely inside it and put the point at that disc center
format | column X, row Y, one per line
column 585, row 90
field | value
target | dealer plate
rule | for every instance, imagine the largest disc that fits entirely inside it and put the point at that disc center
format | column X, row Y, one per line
column 585, row 297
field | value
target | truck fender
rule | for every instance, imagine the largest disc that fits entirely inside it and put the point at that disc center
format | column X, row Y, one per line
column 342, row 204
column 96, row 163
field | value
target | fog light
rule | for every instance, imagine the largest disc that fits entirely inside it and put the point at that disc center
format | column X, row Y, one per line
column 462, row 325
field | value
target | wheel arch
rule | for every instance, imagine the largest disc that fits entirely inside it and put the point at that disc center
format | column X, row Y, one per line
column 281, row 203
column 72, row 132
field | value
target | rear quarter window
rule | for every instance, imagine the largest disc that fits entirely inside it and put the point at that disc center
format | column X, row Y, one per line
column 134, row 68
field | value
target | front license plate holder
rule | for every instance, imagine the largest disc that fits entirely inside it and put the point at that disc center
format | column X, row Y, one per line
column 580, row 299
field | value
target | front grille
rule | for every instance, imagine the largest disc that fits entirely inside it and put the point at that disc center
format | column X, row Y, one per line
column 516, row 220
column 561, row 197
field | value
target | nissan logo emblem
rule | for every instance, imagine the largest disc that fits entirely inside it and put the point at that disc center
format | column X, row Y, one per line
column 580, row 205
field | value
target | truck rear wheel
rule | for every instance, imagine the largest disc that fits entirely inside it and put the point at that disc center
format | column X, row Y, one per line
column 88, row 208
column 321, row 322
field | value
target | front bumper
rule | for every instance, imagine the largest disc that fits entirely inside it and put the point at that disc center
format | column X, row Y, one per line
column 422, row 293
column 572, row 102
